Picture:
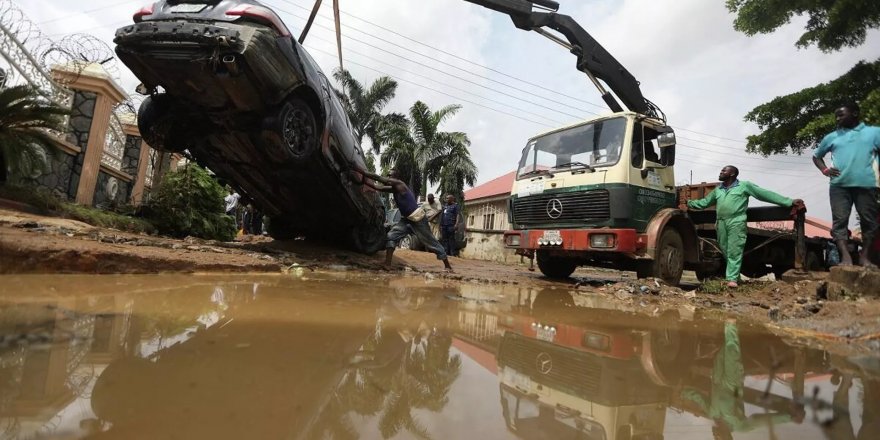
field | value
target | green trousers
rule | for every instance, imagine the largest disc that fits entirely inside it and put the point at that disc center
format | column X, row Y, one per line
column 732, row 240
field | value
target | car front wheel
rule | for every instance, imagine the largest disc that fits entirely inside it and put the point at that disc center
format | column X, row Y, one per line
column 295, row 131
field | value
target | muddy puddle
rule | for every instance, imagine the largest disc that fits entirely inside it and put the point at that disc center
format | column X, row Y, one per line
column 325, row 355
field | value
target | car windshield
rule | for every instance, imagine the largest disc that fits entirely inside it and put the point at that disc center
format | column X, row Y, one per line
column 586, row 146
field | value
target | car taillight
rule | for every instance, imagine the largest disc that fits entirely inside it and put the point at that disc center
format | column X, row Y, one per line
column 142, row 12
column 260, row 14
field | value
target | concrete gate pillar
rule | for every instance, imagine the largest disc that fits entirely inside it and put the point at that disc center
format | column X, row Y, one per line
column 135, row 158
column 95, row 94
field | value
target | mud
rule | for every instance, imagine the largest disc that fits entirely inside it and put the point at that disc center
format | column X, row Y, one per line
column 35, row 244
column 353, row 354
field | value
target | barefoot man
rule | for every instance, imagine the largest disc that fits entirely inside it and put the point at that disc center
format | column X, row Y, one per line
column 412, row 216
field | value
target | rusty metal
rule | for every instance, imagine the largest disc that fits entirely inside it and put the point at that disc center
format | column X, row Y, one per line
column 800, row 245
column 312, row 15
column 338, row 32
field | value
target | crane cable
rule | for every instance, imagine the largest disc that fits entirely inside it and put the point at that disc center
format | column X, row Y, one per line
column 336, row 21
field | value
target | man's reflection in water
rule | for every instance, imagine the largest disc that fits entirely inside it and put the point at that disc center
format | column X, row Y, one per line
column 840, row 426
column 725, row 404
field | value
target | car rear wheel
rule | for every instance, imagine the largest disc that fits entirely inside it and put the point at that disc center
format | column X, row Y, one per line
column 163, row 125
column 297, row 131
column 555, row 267
column 368, row 238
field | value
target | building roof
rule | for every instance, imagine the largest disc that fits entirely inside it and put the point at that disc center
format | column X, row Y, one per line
column 493, row 188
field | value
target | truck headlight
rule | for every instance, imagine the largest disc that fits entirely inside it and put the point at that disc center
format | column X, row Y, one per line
column 602, row 241
column 511, row 240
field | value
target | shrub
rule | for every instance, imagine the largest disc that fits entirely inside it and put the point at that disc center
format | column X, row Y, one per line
column 47, row 203
column 190, row 202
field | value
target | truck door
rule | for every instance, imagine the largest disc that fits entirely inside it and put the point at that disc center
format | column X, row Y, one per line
column 651, row 174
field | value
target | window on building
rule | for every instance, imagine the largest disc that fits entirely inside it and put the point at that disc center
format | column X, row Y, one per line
column 489, row 221
column 470, row 220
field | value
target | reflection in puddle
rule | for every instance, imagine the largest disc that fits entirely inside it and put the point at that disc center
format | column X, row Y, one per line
column 346, row 357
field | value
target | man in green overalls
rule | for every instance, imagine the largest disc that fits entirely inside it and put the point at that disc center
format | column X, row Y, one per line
column 731, row 199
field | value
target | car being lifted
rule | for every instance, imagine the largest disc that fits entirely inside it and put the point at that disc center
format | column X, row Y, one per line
column 229, row 84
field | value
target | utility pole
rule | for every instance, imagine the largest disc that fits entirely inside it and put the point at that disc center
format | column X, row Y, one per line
column 692, row 177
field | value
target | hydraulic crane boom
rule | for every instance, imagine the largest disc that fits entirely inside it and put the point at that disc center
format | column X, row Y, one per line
column 592, row 58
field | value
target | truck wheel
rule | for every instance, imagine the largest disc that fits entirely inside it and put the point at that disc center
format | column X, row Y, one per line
column 406, row 242
column 668, row 262
column 555, row 267
column 295, row 131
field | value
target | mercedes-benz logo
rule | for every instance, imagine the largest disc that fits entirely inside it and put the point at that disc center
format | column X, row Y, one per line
column 554, row 208
column 544, row 363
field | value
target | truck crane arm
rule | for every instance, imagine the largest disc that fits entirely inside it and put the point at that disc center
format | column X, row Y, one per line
column 592, row 58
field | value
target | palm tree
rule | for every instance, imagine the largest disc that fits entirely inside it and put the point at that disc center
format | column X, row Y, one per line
column 25, row 120
column 364, row 106
column 431, row 154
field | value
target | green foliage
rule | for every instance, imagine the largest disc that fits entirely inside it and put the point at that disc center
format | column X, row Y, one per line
column 25, row 117
column 799, row 120
column 364, row 106
column 47, row 203
column 190, row 202
column 831, row 24
column 423, row 153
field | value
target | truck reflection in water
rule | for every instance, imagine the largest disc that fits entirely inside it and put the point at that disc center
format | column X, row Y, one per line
column 602, row 373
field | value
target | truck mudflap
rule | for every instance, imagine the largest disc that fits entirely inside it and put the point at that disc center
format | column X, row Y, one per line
column 601, row 240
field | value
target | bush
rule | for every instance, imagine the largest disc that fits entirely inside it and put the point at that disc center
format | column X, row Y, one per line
column 47, row 203
column 190, row 202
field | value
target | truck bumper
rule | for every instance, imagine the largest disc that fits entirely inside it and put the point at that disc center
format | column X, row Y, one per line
column 593, row 240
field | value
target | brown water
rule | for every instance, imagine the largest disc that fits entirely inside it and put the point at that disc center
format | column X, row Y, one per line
column 341, row 356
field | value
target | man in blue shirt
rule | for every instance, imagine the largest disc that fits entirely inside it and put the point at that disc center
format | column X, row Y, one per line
column 853, row 147
column 412, row 216
column 448, row 225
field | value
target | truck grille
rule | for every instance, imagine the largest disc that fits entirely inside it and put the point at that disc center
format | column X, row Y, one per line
column 575, row 207
column 572, row 371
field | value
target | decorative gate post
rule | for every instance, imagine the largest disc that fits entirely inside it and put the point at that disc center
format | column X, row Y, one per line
column 95, row 94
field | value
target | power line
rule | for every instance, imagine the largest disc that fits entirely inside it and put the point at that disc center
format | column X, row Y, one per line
column 450, row 54
column 349, row 37
column 775, row 173
column 484, row 67
column 434, row 90
column 443, row 84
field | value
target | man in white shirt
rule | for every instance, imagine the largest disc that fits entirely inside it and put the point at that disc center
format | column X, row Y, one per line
column 231, row 202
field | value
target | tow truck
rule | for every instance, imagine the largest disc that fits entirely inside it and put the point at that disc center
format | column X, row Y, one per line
column 602, row 192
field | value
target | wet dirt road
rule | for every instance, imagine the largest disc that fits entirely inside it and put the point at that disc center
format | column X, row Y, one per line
column 338, row 355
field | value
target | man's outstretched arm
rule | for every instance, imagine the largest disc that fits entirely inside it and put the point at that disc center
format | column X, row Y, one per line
column 366, row 176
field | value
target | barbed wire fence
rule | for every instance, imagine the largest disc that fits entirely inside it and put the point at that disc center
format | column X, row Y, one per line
column 28, row 55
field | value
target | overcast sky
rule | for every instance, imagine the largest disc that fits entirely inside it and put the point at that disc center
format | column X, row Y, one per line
column 513, row 84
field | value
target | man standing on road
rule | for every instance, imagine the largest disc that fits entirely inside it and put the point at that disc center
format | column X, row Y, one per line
column 412, row 217
column 732, row 199
column 854, row 149
column 448, row 226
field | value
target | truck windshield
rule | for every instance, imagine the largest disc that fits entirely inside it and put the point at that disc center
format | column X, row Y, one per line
column 586, row 146
column 531, row 419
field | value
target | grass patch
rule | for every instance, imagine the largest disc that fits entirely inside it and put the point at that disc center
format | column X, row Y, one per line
column 49, row 204
column 718, row 285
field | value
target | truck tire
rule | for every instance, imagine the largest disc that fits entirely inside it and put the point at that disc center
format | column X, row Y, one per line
column 555, row 267
column 668, row 262
column 295, row 132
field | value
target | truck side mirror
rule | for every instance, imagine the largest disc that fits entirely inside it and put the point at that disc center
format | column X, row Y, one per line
column 665, row 140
